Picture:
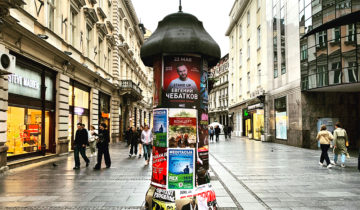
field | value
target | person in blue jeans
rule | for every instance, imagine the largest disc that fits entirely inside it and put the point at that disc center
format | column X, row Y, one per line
column 146, row 139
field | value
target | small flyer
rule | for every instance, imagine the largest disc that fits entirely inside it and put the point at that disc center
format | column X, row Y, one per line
column 160, row 127
column 181, row 170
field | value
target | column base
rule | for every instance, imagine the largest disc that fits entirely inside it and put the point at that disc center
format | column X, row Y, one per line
column 3, row 158
column 63, row 146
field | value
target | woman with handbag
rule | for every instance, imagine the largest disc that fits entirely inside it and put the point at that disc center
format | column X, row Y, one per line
column 324, row 137
column 92, row 140
column 103, row 147
column 340, row 139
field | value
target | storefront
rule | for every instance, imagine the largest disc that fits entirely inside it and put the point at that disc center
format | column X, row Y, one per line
column 31, row 109
column 280, row 118
column 104, row 109
column 79, row 98
column 247, row 123
column 257, row 115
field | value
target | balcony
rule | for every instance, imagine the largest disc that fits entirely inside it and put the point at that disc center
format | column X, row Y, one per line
column 130, row 90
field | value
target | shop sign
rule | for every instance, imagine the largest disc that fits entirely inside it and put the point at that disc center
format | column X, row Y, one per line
column 256, row 106
column 258, row 92
column 246, row 113
column 25, row 82
column 78, row 111
column 105, row 115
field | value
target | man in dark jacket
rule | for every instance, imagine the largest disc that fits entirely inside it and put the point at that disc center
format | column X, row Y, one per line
column 103, row 147
column 80, row 142
column 128, row 133
column 217, row 133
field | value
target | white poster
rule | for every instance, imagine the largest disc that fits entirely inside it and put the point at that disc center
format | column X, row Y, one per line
column 281, row 128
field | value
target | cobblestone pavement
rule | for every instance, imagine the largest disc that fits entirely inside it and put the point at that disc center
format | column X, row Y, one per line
column 246, row 174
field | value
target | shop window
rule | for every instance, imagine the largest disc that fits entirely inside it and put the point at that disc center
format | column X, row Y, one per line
column 81, row 98
column 51, row 13
column 280, row 118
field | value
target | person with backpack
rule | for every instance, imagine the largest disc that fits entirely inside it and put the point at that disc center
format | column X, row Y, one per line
column 340, row 139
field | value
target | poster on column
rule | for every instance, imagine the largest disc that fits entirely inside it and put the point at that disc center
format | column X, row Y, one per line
column 163, row 199
column 159, row 167
column 160, row 127
column 204, row 96
column 181, row 81
column 182, row 128
column 203, row 197
column 180, row 169
column 202, row 160
column 157, row 82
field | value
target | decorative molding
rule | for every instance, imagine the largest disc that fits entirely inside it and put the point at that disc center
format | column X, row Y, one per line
column 78, row 3
column 110, row 25
column 90, row 14
column 127, row 23
column 111, row 39
column 121, row 37
column 122, row 14
column 101, row 12
column 101, row 28
column 92, row 2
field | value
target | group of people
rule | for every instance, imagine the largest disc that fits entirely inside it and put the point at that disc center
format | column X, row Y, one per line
column 338, row 141
column 139, row 139
column 216, row 131
column 94, row 140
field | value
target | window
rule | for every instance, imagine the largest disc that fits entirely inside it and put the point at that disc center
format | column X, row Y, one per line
column 275, row 38
column 258, row 4
column 240, row 58
column 321, row 39
column 232, row 41
column 240, row 86
column 259, row 75
column 303, row 53
column 109, row 61
column 99, row 51
column 248, row 18
column 259, row 37
column 350, row 33
column 336, row 34
column 248, row 81
column 240, row 31
column 248, row 49
column 232, row 89
column 51, row 12
column 73, row 23
column 282, row 37
column 88, row 39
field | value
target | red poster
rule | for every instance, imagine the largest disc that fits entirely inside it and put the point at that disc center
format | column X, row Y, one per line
column 159, row 167
column 181, row 81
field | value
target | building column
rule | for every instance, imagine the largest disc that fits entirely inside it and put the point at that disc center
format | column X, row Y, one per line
column 115, row 122
column 94, row 110
column 63, row 113
column 3, row 125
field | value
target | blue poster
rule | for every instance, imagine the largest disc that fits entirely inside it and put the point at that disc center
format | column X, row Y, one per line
column 160, row 127
column 181, row 168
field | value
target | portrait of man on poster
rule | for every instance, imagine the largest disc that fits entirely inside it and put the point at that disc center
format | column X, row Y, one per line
column 183, row 81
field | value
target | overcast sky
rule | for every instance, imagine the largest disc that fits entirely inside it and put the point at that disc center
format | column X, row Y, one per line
column 213, row 13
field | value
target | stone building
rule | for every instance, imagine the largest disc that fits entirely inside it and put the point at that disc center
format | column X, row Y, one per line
column 69, row 61
column 218, row 97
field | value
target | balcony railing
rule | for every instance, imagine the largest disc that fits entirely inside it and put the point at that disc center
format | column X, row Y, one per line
column 131, row 89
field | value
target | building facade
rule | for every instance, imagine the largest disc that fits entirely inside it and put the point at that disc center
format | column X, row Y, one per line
column 248, row 58
column 69, row 61
column 218, row 97
column 330, row 64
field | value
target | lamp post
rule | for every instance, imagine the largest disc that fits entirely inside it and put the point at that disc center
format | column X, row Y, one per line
column 181, row 52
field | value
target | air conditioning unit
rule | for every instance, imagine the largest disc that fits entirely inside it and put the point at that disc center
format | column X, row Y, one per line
column 7, row 61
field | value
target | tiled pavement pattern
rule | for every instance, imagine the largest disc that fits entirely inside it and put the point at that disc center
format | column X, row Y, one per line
column 246, row 174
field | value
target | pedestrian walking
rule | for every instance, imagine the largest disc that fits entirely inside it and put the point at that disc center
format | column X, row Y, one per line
column 103, row 147
column 217, row 133
column 146, row 138
column 139, row 141
column 340, row 138
column 134, row 142
column 128, row 136
column 92, row 140
column 325, row 138
column 225, row 129
column 211, row 133
column 229, row 131
column 80, row 142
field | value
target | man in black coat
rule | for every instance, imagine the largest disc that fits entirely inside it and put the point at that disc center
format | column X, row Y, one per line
column 103, row 147
column 217, row 133
column 80, row 142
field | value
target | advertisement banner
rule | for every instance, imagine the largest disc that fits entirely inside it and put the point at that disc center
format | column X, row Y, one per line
column 160, row 127
column 181, row 81
column 280, row 122
column 202, row 163
column 182, row 128
column 204, row 95
column 161, row 205
column 181, row 169
column 159, row 165
column 203, row 197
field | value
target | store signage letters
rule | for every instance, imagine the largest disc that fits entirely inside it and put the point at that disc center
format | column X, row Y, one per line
column 22, row 81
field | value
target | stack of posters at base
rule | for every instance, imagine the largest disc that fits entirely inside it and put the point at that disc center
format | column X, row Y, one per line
column 160, row 199
column 160, row 127
column 181, row 169
column 182, row 128
column 203, row 197
column 159, row 167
